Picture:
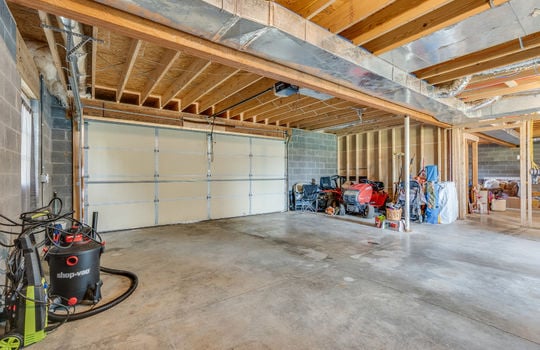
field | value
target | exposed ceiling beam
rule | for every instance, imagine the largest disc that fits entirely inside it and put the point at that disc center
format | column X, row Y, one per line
column 306, row 9
column 494, row 52
column 215, row 75
column 286, row 104
column 95, row 32
column 301, row 107
column 51, row 41
column 228, row 88
column 167, row 60
column 94, row 13
column 389, row 18
column 483, row 66
column 480, row 81
column 244, row 95
column 494, row 140
column 255, row 103
column 441, row 17
column 345, row 13
column 474, row 95
column 114, row 110
column 128, row 67
column 196, row 68
column 320, row 118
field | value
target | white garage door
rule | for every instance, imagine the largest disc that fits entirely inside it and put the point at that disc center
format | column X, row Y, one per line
column 137, row 176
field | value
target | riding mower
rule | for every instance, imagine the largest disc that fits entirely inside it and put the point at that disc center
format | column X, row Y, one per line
column 331, row 194
column 365, row 197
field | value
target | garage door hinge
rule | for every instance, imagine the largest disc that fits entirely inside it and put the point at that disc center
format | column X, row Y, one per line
column 208, row 197
column 156, row 200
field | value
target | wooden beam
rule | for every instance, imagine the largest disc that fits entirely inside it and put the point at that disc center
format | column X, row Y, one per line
column 196, row 68
column 94, row 59
column 389, row 18
column 244, row 95
column 94, row 13
column 228, row 88
column 27, row 68
column 128, row 67
column 51, row 41
column 306, row 9
column 440, row 18
column 491, row 139
column 524, row 85
column 206, row 83
column 254, row 103
column 167, row 60
column 344, row 13
column 136, row 113
column 493, row 52
column 483, row 66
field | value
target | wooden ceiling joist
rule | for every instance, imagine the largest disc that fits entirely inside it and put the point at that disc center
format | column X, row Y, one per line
column 128, row 67
column 441, row 17
column 214, row 76
column 227, row 89
column 343, row 13
column 242, row 97
column 161, row 70
column 491, row 53
column 51, row 41
column 94, row 60
column 286, row 104
column 306, row 9
column 196, row 68
column 523, row 86
column 389, row 18
column 479, row 67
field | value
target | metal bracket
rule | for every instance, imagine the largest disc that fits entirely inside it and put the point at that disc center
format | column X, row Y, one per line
column 72, row 51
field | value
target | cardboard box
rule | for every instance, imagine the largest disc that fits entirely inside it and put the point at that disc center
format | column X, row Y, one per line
column 498, row 205
column 513, row 202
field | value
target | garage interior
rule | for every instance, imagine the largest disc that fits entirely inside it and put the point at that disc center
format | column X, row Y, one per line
column 187, row 125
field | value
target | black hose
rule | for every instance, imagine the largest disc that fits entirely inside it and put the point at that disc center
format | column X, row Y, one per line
column 53, row 317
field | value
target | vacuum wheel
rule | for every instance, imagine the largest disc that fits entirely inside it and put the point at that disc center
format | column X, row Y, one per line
column 12, row 341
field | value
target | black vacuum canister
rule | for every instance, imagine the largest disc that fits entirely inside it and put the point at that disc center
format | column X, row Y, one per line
column 74, row 272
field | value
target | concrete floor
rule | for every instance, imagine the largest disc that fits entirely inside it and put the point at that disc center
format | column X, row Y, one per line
column 308, row 281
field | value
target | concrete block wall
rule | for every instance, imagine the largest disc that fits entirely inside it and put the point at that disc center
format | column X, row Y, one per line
column 10, row 119
column 500, row 161
column 311, row 155
column 57, row 150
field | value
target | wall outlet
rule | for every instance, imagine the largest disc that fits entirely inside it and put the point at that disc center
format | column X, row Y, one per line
column 44, row 178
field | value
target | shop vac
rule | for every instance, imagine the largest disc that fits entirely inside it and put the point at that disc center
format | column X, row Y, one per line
column 72, row 250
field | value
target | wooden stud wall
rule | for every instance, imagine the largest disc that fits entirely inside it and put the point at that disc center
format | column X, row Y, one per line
column 378, row 155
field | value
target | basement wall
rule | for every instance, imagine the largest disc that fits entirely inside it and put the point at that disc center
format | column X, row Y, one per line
column 57, row 151
column 500, row 161
column 310, row 156
column 378, row 155
column 10, row 118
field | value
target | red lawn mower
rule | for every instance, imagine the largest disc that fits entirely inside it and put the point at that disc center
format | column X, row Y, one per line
column 365, row 197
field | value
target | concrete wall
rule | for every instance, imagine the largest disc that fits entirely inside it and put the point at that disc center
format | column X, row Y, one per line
column 500, row 161
column 57, row 150
column 10, row 119
column 311, row 155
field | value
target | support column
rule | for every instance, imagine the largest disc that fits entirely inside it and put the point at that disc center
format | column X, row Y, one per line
column 407, row 174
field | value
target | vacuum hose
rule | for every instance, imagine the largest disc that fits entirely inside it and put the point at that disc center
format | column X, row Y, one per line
column 53, row 317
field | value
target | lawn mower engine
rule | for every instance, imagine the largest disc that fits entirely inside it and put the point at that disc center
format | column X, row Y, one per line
column 357, row 199
column 74, row 268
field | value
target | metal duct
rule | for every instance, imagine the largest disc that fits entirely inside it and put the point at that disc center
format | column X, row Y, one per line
column 268, row 30
column 478, row 105
column 454, row 88
column 512, row 68
column 498, row 25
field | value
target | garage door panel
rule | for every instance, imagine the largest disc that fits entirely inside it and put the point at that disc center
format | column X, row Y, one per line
column 182, row 210
column 232, row 167
column 268, row 167
column 110, row 135
column 181, row 190
column 182, row 166
column 229, row 145
column 171, row 140
column 116, row 164
column 227, row 207
column 124, row 216
column 268, row 148
column 267, row 203
column 103, row 193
